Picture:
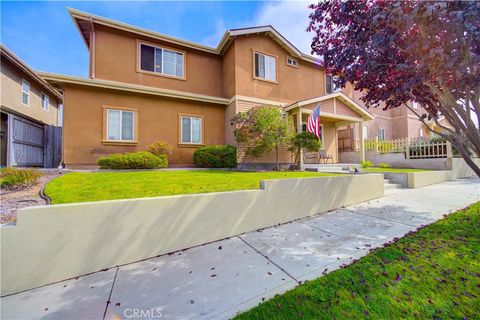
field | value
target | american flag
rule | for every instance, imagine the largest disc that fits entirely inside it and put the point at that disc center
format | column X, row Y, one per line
column 313, row 122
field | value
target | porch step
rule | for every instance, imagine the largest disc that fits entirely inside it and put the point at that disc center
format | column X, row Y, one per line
column 391, row 188
column 331, row 168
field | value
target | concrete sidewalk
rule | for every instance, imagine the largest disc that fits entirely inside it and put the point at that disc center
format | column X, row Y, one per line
column 220, row 279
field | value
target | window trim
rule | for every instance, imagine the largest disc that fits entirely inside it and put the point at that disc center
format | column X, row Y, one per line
column 253, row 66
column 297, row 66
column 333, row 90
column 42, row 94
column 105, row 139
column 380, row 130
column 158, row 74
column 28, row 93
column 180, row 131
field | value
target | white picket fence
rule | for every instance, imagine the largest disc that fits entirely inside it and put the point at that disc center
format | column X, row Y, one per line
column 414, row 148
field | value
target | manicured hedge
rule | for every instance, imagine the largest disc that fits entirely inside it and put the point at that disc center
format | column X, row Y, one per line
column 216, row 156
column 135, row 160
column 13, row 178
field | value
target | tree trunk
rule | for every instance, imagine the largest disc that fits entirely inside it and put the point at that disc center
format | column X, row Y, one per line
column 276, row 157
column 454, row 136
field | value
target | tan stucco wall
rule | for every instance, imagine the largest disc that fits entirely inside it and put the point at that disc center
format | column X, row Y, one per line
column 158, row 119
column 11, row 95
column 307, row 81
column 52, row 243
column 116, row 59
column 228, row 72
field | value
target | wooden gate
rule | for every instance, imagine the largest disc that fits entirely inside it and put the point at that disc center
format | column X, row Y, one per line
column 33, row 145
column 345, row 140
column 25, row 142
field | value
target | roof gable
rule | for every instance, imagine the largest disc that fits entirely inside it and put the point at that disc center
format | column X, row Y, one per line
column 84, row 22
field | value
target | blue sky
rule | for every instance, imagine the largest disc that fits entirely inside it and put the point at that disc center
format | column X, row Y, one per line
column 44, row 36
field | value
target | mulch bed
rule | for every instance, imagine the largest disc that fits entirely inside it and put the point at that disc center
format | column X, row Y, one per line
column 11, row 201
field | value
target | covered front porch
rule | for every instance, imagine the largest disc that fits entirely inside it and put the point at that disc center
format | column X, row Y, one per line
column 336, row 110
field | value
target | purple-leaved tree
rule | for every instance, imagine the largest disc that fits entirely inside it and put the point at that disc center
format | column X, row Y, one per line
column 401, row 51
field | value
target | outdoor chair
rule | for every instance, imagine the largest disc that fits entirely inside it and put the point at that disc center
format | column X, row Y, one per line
column 325, row 157
column 311, row 157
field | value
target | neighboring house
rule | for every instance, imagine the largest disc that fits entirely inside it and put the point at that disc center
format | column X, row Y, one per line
column 29, row 109
column 144, row 86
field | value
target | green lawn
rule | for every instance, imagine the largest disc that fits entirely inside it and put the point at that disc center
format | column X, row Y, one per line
column 95, row 186
column 432, row 274
column 392, row 170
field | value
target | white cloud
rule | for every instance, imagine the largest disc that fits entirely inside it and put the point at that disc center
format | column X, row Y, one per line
column 215, row 37
column 290, row 18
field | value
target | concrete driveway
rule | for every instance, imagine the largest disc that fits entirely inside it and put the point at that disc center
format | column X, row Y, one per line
column 220, row 279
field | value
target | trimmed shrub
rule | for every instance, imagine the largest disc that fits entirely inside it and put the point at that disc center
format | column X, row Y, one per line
column 366, row 164
column 384, row 165
column 159, row 147
column 14, row 178
column 135, row 160
column 216, row 156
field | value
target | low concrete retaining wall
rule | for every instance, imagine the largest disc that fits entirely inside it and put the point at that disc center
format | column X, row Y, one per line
column 396, row 160
column 52, row 243
column 459, row 169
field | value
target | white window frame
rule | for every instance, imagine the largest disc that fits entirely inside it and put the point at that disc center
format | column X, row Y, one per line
column 121, row 126
column 265, row 72
column 45, row 98
column 415, row 105
column 365, row 131
column 25, row 92
column 334, row 88
column 162, row 64
column 381, row 134
column 191, row 129
column 292, row 62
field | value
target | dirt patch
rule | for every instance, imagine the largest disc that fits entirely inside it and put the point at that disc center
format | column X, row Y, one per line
column 10, row 201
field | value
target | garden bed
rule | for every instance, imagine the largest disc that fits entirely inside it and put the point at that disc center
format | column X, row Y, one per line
column 96, row 186
column 12, row 200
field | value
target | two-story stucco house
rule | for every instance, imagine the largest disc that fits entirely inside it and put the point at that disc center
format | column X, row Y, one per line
column 144, row 86
column 28, row 104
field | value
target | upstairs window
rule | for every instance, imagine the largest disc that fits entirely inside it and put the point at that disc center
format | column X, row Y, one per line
column 120, row 125
column 330, row 86
column 265, row 67
column 191, row 130
column 163, row 61
column 25, row 92
column 292, row 62
column 381, row 134
column 45, row 101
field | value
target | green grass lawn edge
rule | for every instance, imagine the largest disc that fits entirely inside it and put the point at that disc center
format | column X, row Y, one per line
column 392, row 170
column 76, row 187
column 430, row 274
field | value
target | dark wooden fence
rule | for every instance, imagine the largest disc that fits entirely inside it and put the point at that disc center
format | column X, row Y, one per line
column 52, row 152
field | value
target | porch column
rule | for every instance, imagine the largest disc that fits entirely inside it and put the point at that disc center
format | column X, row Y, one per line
column 299, row 129
column 361, row 142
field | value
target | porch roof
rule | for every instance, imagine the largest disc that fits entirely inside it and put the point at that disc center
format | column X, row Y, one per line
column 362, row 113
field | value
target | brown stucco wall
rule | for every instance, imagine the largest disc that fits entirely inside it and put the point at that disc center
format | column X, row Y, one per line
column 228, row 72
column 287, row 89
column 116, row 59
column 158, row 119
column 11, row 96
